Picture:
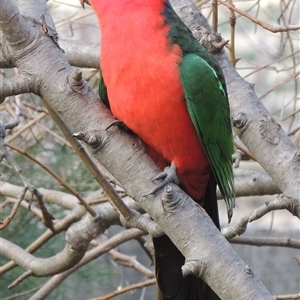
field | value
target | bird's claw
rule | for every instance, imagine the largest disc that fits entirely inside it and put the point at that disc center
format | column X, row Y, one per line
column 168, row 175
column 82, row 2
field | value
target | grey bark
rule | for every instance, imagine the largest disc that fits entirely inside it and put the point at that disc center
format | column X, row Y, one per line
column 76, row 104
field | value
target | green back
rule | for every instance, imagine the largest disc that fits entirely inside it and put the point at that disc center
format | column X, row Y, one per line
column 207, row 102
column 103, row 91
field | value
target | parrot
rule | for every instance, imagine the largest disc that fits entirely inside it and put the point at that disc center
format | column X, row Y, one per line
column 164, row 86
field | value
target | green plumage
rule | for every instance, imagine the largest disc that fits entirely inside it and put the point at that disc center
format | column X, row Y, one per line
column 103, row 91
column 206, row 98
column 209, row 110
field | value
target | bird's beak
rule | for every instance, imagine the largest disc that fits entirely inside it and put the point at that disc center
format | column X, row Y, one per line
column 84, row 1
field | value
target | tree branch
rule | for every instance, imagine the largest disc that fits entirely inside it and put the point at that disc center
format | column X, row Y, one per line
column 79, row 54
column 125, row 158
column 42, row 266
column 92, row 254
column 14, row 85
column 272, row 28
column 266, row 241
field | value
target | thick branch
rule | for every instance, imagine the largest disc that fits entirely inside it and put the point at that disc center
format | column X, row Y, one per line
column 81, row 54
column 125, row 158
column 113, row 242
column 252, row 183
column 42, row 266
column 16, row 85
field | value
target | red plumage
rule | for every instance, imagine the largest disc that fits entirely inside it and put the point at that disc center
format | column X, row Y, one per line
column 141, row 70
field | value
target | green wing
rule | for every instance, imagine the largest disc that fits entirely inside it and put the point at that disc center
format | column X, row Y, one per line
column 206, row 98
column 103, row 91
column 208, row 107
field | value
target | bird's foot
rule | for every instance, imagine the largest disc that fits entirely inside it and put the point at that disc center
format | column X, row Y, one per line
column 168, row 175
column 82, row 2
column 120, row 125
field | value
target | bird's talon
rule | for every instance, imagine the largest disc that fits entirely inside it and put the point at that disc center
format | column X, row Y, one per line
column 168, row 176
column 114, row 123
column 82, row 2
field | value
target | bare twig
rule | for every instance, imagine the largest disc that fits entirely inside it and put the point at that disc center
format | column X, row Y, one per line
column 266, row 241
column 243, row 149
column 214, row 27
column 27, row 126
column 7, row 220
column 264, row 25
column 126, row 289
column 287, row 297
column 20, row 279
column 279, row 203
column 280, row 84
column 282, row 202
column 232, row 21
column 114, row 198
column 57, row 177
column 16, row 295
column 132, row 262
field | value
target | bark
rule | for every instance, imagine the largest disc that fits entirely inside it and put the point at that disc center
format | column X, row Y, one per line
column 34, row 51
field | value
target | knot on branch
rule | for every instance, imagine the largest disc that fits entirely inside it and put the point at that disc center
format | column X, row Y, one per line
column 76, row 82
column 79, row 234
column 2, row 131
column 240, row 121
column 142, row 222
column 269, row 128
column 193, row 267
column 212, row 42
column 91, row 137
column 10, row 125
column 235, row 229
column 248, row 270
column 170, row 199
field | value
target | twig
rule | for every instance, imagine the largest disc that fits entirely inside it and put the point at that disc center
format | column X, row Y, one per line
column 20, row 279
column 266, row 241
column 287, row 297
column 280, row 84
column 55, row 135
column 270, row 63
column 47, row 216
column 282, row 202
column 294, row 131
column 16, row 295
column 232, row 21
column 214, row 27
column 7, row 220
column 126, row 289
column 264, row 25
column 57, row 177
column 34, row 107
column 4, row 153
column 27, row 126
column 112, row 195
column 35, row 210
column 145, row 246
column 243, row 149
column 131, row 261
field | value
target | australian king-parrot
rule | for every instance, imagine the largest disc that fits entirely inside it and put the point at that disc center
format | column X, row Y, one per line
column 165, row 87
